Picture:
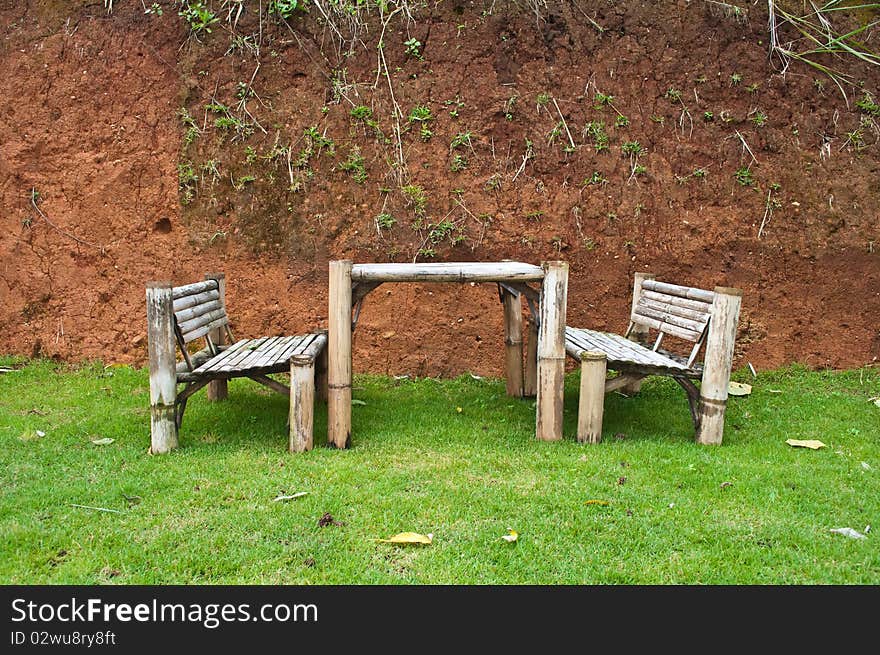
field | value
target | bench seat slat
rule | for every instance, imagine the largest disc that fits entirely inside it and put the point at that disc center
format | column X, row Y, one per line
column 617, row 349
column 261, row 354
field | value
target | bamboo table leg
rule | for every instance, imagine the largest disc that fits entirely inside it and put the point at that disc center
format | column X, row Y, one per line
column 339, row 355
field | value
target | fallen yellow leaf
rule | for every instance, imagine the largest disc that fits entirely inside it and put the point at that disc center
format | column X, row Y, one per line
column 408, row 538
column 815, row 444
column 739, row 389
column 511, row 536
column 596, row 502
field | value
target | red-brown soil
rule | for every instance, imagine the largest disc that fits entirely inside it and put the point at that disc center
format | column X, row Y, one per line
column 90, row 123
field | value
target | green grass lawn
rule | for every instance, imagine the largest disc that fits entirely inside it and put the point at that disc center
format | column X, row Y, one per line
column 454, row 458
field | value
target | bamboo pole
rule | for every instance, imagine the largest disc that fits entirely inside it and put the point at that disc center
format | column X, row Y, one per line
column 639, row 333
column 217, row 389
column 339, row 355
column 505, row 271
column 161, row 346
column 302, row 403
column 591, row 399
column 530, row 377
column 551, row 352
column 717, row 363
column 321, row 373
column 513, row 360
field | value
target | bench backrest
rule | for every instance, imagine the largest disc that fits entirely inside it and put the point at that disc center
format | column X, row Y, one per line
column 198, row 309
column 676, row 310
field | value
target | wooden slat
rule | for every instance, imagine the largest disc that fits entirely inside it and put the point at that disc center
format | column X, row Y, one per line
column 197, row 299
column 674, row 330
column 642, row 310
column 317, row 344
column 272, row 355
column 205, row 329
column 201, row 320
column 221, row 358
column 255, row 354
column 194, row 288
column 197, row 310
column 696, row 305
column 675, row 310
column 295, row 347
column 677, row 290
column 242, row 352
column 617, row 348
column 447, row 272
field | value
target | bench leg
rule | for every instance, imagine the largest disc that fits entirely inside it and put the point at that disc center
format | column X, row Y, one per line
column 717, row 364
column 163, row 374
column 302, row 403
column 321, row 379
column 530, row 376
column 513, row 357
column 591, row 404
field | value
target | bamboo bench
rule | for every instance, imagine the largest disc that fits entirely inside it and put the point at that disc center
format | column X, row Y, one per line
column 179, row 315
column 702, row 317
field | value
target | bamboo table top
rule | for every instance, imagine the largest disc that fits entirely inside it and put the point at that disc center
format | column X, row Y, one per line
column 506, row 271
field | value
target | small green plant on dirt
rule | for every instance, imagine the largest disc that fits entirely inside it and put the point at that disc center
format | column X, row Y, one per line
column 287, row 8
column 385, row 221
column 187, row 179
column 415, row 198
column 250, row 155
column 595, row 178
column 542, row 99
column 354, row 165
column 743, row 175
column 509, row 106
column 461, row 139
column 459, row 163
column 364, row 114
column 198, row 16
column 753, row 88
column 595, row 130
column 211, row 168
column 632, row 148
column 700, row 173
column 413, row 48
column 868, row 106
column 621, row 121
column 555, row 133
column 759, row 119
column 192, row 129
column 455, row 106
column 673, row 94
column 534, row 215
column 155, row 9
column 240, row 183
column 427, row 253
column 658, row 119
column 425, row 132
column 494, row 182
column 602, row 100
column 708, row 116
column 243, row 91
column 420, row 113
column 735, row 79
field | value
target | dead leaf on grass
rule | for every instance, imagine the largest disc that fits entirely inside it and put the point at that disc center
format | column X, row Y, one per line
column 726, row 484
column 408, row 538
column 103, row 441
column 511, row 536
column 355, row 401
column 327, row 519
column 596, row 502
column 849, row 532
column 739, row 389
column 814, row 444
column 298, row 494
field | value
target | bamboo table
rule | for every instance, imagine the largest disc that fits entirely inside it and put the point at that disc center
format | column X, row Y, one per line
column 545, row 362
